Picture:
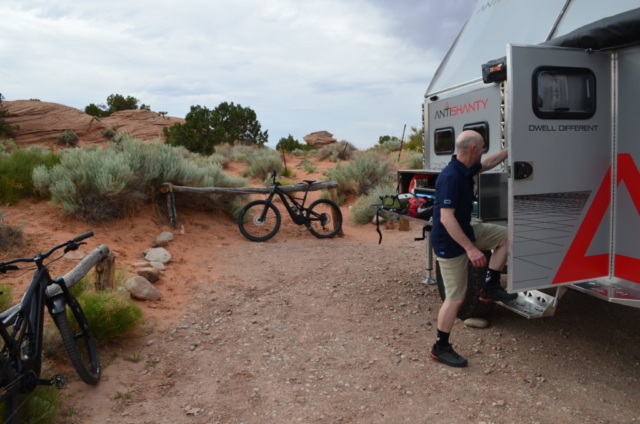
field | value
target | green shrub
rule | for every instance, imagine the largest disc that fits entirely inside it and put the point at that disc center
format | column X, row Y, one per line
column 16, row 169
column 362, row 175
column 6, row 298
column 342, row 150
column 108, row 133
column 41, row 406
column 221, row 160
column 288, row 173
column 243, row 152
column 7, row 145
column 6, row 130
column 416, row 140
column 299, row 152
column 309, row 167
column 360, row 213
column 10, row 237
column 67, row 138
column 391, row 145
column 264, row 162
column 411, row 159
column 110, row 315
column 100, row 184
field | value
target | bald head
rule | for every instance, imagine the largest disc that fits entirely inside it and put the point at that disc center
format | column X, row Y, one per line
column 466, row 139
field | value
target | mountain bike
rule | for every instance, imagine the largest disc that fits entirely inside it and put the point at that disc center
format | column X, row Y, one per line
column 22, row 325
column 260, row 220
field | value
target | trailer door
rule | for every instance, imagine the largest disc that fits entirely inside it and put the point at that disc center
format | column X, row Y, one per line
column 559, row 135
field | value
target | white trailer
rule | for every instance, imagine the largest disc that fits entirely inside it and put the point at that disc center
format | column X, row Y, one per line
column 566, row 107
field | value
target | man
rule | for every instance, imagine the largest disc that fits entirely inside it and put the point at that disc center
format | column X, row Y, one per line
column 456, row 241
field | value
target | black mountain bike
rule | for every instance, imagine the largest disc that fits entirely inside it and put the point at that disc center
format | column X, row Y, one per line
column 22, row 325
column 260, row 220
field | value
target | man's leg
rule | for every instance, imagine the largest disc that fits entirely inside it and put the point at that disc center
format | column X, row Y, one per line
column 493, row 237
column 454, row 276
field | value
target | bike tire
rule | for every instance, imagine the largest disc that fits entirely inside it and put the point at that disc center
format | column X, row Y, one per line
column 249, row 221
column 10, row 395
column 324, row 219
column 81, row 346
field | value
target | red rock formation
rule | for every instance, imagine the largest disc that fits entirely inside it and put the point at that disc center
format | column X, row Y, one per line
column 40, row 123
column 319, row 139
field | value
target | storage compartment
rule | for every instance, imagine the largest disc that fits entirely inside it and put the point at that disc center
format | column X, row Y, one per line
column 491, row 191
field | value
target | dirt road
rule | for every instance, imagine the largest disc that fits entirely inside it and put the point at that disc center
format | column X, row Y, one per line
column 338, row 331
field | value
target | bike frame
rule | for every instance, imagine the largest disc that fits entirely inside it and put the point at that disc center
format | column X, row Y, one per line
column 296, row 214
column 24, row 343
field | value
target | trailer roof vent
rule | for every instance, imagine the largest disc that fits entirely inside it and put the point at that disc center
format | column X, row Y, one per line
column 495, row 70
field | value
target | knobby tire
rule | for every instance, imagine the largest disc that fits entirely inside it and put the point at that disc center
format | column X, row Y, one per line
column 80, row 346
column 254, row 229
column 324, row 219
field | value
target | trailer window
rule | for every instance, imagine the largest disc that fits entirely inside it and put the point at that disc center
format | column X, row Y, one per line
column 564, row 93
column 444, row 141
column 481, row 128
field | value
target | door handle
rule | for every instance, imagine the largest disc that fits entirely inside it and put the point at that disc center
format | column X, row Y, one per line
column 522, row 170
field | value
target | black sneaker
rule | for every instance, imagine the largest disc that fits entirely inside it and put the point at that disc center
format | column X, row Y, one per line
column 448, row 356
column 489, row 294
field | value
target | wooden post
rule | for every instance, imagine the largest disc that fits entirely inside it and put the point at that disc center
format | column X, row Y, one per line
column 333, row 196
column 106, row 273
column 404, row 224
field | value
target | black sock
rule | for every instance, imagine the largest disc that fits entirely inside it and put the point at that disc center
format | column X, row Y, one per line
column 442, row 339
column 492, row 279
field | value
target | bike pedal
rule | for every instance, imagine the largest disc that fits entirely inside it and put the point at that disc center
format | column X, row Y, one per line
column 59, row 381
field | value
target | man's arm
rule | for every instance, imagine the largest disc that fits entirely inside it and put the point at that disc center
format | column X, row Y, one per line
column 448, row 219
column 494, row 160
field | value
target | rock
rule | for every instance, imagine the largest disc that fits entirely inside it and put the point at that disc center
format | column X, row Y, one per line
column 158, row 254
column 390, row 225
column 41, row 122
column 141, row 264
column 476, row 322
column 142, row 289
column 319, row 139
column 152, row 274
column 158, row 265
column 380, row 218
column 162, row 239
column 123, row 292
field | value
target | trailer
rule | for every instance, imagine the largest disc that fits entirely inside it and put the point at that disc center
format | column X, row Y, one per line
column 557, row 82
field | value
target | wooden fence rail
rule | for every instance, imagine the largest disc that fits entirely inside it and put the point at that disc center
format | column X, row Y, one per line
column 170, row 189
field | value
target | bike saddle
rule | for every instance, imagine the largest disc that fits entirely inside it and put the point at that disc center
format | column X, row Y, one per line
column 309, row 181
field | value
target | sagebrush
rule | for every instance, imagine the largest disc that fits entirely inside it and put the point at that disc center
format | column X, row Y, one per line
column 360, row 213
column 16, row 169
column 100, row 184
column 342, row 150
column 359, row 177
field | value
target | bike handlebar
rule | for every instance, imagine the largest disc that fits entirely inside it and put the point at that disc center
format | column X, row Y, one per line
column 71, row 245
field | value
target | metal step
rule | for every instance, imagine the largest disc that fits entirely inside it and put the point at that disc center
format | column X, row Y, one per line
column 611, row 291
column 534, row 304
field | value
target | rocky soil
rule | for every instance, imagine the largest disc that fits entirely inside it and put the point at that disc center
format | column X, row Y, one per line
column 338, row 331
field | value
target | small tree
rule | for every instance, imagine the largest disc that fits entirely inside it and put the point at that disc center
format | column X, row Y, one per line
column 384, row 138
column 115, row 103
column 204, row 129
column 289, row 144
column 6, row 130
column 416, row 140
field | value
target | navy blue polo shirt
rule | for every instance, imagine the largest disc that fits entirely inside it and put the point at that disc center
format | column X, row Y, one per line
column 454, row 189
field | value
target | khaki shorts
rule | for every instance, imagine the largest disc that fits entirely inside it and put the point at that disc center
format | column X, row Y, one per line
column 454, row 271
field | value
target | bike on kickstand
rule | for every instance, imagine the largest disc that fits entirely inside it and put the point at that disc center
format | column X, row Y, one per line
column 260, row 220
column 22, row 325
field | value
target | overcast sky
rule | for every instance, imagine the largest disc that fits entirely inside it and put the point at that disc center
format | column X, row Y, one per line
column 356, row 68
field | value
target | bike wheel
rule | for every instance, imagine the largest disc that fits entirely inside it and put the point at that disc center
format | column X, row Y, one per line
column 80, row 345
column 10, row 392
column 324, row 219
column 253, row 227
